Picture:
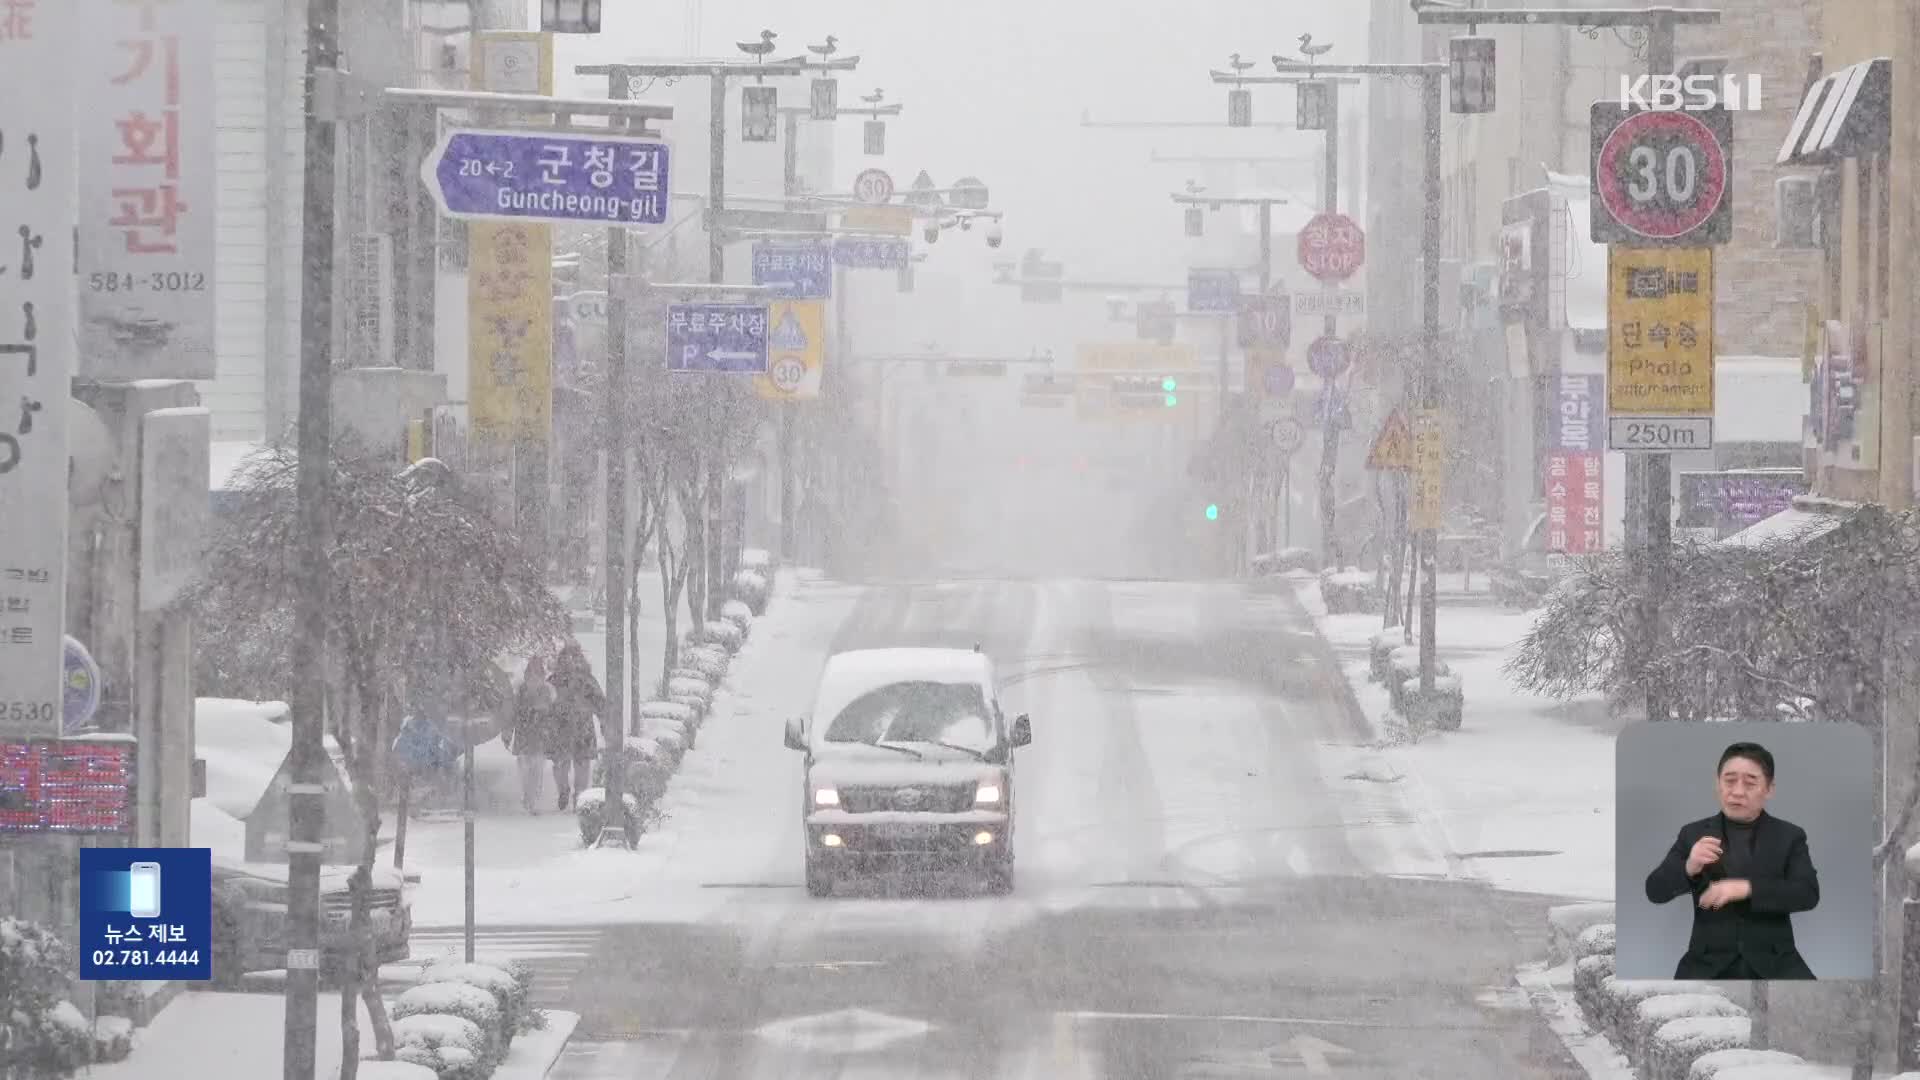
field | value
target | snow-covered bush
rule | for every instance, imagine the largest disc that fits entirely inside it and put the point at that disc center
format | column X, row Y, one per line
column 112, row 1038
column 694, row 688
column 710, row 662
column 590, row 811
column 1655, row 1013
column 691, row 701
column 43, row 1035
column 647, row 764
column 724, row 634
column 1598, row 938
column 1588, row 973
column 514, row 998
column 1717, row 1065
column 471, row 1003
column 669, row 710
column 1567, row 922
column 671, row 736
column 454, row 1047
column 754, row 590
column 739, row 615
column 1350, row 590
column 1441, row 708
column 1620, row 998
column 1679, row 1043
column 1380, row 650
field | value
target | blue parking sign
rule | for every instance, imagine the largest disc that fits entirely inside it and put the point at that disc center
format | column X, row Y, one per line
column 146, row 913
column 728, row 339
column 796, row 270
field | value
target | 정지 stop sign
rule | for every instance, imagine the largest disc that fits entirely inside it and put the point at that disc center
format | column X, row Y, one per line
column 1332, row 247
column 1661, row 177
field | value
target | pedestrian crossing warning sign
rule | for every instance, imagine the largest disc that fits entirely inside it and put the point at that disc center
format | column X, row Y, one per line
column 1393, row 447
column 796, row 347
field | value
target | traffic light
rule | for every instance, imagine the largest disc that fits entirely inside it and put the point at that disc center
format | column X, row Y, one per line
column 1213, row 512
column 1170, row 385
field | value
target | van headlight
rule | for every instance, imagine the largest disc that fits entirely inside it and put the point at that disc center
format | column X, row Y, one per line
column 826, row 796
column 987, row 794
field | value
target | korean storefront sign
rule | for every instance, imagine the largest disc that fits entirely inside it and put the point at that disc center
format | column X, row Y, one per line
column 1574, row 468
column 38, row 205
column 1429, row 470
column 146, row 143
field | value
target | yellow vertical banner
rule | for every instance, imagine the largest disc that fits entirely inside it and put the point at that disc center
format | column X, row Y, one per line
column 796, row 350
column 510, row 278
column 1429, row 470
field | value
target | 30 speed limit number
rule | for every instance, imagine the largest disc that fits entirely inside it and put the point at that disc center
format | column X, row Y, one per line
column 787, row 373
column 1661, row 177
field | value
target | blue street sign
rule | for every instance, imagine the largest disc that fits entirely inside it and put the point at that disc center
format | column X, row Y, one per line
column 873, row 253
column 1213, row 290
column 726, row 338
column 550, row 176
column 798, row 270
column 1279, row 380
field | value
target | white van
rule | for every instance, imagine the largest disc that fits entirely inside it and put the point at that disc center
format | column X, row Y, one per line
column 909, row 766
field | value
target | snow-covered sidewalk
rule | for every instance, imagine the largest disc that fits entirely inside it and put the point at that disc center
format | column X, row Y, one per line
column 531, row 868
column 1522, row 794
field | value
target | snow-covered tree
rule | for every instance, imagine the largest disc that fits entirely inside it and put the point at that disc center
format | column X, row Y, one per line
column 42, row 1035
column 426, row 587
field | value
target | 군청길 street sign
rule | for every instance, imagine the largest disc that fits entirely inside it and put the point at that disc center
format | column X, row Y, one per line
column 726, row 339
column 798, row 270
column 1393, row 447
column 1213, row 291
column 1661, row 177
column 1660, row 348
column 796, row 347
column 550, row 176
column 1332, row 247
column 873, row 187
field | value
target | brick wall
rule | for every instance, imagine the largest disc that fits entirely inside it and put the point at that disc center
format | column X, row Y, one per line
column 1761, row 289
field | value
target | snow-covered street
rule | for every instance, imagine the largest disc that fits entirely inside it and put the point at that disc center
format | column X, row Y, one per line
column 1207, row 874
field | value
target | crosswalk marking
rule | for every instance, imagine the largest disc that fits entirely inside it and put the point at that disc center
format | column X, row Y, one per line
column 555, row 954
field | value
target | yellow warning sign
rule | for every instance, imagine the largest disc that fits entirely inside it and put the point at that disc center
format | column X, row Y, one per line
column 1393, row 447
column 1660, row 331
column 1429, row 470
column 892, row 220
column 796, row 348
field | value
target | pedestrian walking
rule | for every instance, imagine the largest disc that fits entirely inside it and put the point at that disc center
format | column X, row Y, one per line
column 578, row 703
column 531, row 734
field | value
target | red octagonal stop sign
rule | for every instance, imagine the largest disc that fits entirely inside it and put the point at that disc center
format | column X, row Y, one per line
column 1332, row 247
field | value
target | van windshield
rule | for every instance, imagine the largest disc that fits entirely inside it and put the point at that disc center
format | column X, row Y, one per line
column 955, row 714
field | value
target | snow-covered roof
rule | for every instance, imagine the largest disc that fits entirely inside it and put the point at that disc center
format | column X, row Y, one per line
column 850, row 674
column 1794, row 525
column 1758, row 399
column 243, row 744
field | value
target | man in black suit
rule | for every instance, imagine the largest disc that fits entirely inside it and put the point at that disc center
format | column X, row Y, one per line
column 1747, row 872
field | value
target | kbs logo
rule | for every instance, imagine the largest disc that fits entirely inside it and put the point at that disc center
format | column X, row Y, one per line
column 1691, row 93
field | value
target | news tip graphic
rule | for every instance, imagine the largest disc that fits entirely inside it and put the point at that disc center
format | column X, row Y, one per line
column 146, row 913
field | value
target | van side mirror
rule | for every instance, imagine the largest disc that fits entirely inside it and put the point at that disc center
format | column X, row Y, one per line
column 796, row 734
column 1022, row 730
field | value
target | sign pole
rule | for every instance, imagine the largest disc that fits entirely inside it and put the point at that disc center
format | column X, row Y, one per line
column 613, row 820
column 1330, row 441
column 1430, row 377
column 1657, row 481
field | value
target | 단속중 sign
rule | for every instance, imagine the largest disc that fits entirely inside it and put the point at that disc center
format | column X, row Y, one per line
column 550, row 176
column 147, row 194
column 38, row 208
column 1660, row 348
column 146, row 913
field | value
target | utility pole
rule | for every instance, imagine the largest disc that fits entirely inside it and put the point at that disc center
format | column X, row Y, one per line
column 615, row 410
column 1330, row 434
column 313, row 491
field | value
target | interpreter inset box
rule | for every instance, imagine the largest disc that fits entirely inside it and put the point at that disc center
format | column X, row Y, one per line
column 146, row 913
column 1743, row 851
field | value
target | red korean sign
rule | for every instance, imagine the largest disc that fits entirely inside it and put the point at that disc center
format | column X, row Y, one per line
column 145, row 128
column 1332, row 247
column 67, row 786
column 1574, row 503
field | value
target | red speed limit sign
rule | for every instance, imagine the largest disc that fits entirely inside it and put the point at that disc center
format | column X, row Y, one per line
column 1661, row 176
column 1332, row 247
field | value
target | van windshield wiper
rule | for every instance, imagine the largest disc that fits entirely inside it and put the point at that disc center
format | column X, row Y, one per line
column 968, row 750
column 894, row 747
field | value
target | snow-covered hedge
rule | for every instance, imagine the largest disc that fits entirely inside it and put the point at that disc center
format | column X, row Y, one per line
column 692, row 688
column 112, row 1038
column 43, row 1031
column 753, row 589
column 1443, row 707
column 590, row 812
column 1566, row 922
column 692, row 701
column 1654, row 1013
column 455, row 1048
column 471, row 1003
column 1349, row 590
column 1679, row 1043
column 1597, row 938
column 1588, row 973
column 1380, row 651
column 724, row 634
column 512, row 993
column 739, row 615
column 1723, row 1064
column 684, row 715
column 710, row 662
column 671, row 736
column 1619, row 1000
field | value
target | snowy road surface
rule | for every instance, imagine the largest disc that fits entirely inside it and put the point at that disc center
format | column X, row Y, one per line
column 1212, row 881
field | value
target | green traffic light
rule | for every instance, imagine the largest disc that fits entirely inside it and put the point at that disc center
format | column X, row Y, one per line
column 1169, row 384
column 1172, row 401
column 1213, row 512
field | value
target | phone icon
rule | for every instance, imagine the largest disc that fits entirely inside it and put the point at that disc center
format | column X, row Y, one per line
column 143, row 890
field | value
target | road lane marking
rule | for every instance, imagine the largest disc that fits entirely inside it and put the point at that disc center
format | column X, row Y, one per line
column 1225, row 1019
